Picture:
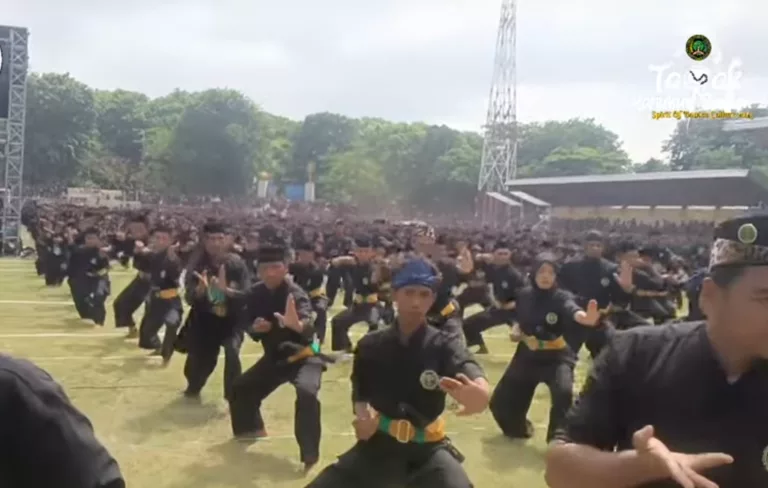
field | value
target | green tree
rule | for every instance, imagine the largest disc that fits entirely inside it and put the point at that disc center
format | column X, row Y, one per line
column 578, row 161
column 352, row 177
column 653, row 165
column 690, row 145
column 60, row 127
column 319, row 137
column 214, row 144
column 122, row 124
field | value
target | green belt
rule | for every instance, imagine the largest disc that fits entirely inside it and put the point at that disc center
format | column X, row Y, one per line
column 385, row 423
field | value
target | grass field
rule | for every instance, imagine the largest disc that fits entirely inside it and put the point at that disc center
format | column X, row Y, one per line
column 162, row 442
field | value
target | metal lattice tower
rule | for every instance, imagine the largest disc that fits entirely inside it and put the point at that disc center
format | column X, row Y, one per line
column 14, row 43
column 499, row 163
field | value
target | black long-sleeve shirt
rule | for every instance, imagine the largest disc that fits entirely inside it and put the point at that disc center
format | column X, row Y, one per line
column 669, row 377
column 46, row 441
column 399, row 379
column 261, row 302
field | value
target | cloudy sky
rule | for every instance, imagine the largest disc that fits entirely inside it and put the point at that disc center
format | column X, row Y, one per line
column 410, row 60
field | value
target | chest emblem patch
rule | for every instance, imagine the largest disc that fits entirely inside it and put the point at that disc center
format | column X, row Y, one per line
column 504, row 285
column 481, row 274
column 765, row 458
column 93, row 261
column 162, row 275
column 605, row 282
column 551, row 318
column 365, row 281
column 429, row 380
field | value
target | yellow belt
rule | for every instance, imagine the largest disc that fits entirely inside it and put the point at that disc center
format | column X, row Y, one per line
column 317, row 293
column 372, row 298
column 167, row 294
column 535, row 344
column 219, row 310
column 610, row 308
column 404, row 432
column 448, row 309
column 303, row 354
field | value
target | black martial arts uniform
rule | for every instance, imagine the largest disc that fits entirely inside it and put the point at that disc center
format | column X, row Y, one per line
column 364, row 309
column 214, row 322
column 131, row 298
column 595, row 279
column 56, row 261
column 310, row 278
column 336, row 246
column 505, row 281
column 44, row 440
column 278, row 366
column 670, row 378
column 542, row 356
column 163, row 306
column 400, row 381
column 89, row 282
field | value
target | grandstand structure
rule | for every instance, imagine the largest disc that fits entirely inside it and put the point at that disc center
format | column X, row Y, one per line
column 676, row 196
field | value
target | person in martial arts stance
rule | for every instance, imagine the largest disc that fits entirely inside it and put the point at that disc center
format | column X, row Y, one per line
column 163, row 307
column 280, row 314
column 544, row 314
column 132, row 297
column 400, row 378
column 215, row 284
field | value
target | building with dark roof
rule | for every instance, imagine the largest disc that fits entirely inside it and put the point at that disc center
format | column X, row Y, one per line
column 710, row 188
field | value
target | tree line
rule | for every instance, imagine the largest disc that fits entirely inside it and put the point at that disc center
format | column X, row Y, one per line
column 216, row 141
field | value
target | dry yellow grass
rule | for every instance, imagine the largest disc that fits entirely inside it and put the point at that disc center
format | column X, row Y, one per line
column 162, row 442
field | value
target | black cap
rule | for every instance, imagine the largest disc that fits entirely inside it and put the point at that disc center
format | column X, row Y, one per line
column 363, row 241
column 594, row 236
column 501, row 244
column 303, row 246
column 215, row 227
column 271, row 253
column 741, row 241
column 162, row 228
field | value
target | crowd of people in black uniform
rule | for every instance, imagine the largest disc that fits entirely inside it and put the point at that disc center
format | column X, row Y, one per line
column 273, row 279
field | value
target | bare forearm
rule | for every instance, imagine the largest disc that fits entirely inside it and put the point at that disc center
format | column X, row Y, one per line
column 580, row 466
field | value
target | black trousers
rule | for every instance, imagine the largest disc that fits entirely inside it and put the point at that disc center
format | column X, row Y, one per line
column 472, row 295
column 476, row 324
column 129, row 300
column 160, row 312
column 205, row 335
column 512, row 396
column 263, row 378
column 320, row 307
column 89, row 293
column 382, row 462
column 337, row 277
column 341, row 323
column 54, row 269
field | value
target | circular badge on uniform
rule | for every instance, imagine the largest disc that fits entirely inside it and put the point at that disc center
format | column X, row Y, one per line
column 605, row 282
column 365, row 281
column 430, row 380
column 504, row 284
column 481, row 274
column 747, row 234
column 93, row 261
column 551, row 318
column 765, row 458
column 162, row 274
